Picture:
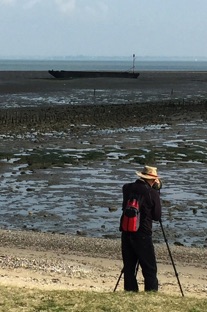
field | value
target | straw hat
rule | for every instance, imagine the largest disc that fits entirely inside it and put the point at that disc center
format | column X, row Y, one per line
column 148, row 173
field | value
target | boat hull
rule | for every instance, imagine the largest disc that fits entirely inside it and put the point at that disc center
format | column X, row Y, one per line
column 65, row 74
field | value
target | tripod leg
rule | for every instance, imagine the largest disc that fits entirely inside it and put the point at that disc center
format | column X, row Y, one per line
column 137, row 268
column 122, row 271
column 117, row 283
column 176, row 273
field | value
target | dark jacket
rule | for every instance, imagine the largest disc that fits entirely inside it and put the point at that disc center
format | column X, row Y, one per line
column 150, row 208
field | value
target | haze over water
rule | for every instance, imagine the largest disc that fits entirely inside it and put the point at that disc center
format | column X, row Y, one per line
column 122, row 65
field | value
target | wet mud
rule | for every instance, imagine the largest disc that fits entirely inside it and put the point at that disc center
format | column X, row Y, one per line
column 63, row 166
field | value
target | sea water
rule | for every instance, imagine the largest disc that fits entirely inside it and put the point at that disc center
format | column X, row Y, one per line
column 122, row 65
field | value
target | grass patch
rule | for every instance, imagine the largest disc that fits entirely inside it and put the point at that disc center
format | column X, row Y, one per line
column 14, row 299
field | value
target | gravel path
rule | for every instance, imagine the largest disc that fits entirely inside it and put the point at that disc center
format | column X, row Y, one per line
column 52, row 261
column 93, row 247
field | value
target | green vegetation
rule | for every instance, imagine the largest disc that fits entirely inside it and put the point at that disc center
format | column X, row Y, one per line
column 44, row 159
column 94, row 155
column 14, row 299
column 48, row 158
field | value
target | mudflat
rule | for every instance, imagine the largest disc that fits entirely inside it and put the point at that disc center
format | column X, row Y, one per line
column 153, row 97
column 173, row 83
column 34, row 259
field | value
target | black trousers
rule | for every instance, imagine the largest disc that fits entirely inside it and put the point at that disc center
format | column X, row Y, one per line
column 138, row 248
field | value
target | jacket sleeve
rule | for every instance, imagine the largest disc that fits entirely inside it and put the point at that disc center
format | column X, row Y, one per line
column 124, row 192
column 157, row 210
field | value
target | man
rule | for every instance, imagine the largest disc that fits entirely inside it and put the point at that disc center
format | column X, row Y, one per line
column 137, row 247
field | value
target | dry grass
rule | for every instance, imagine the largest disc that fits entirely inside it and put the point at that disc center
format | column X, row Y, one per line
column 18, row 299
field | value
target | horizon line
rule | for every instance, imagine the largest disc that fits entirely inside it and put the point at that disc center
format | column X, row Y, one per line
column 86, row 57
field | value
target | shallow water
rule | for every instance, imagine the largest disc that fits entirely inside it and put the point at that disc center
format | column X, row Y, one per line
column 137, row 93
column 85, row 198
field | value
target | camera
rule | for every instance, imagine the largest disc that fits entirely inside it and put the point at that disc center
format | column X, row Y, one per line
column 157, row 185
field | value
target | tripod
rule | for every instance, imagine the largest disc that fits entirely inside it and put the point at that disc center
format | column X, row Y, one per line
column 122, row 271
column 117, row 283
column 173, row 264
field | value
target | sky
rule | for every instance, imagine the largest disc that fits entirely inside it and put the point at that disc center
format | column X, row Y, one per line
column 59, row 28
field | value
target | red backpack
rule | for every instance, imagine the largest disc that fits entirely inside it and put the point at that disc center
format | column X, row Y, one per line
column 130, row 219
